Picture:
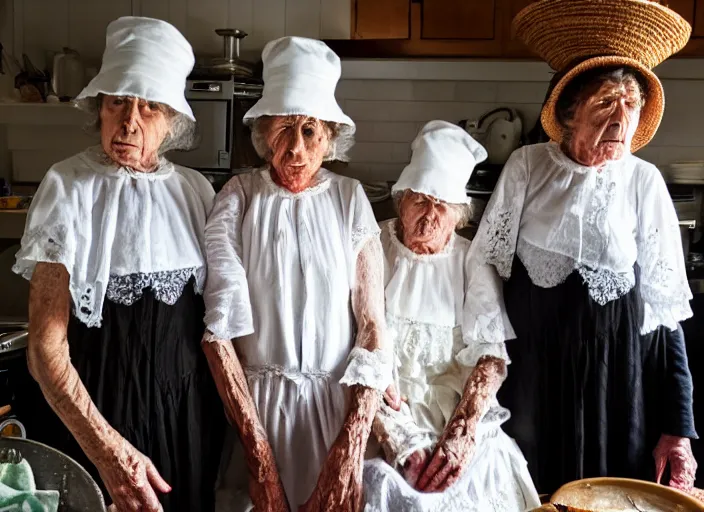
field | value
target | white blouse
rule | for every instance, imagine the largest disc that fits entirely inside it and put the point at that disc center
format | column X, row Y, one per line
column 118, row 231
column 281, row 269
column 558, row 216
column 439, row 330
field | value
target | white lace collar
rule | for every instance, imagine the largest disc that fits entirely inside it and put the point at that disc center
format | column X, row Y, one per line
column 100, row 161
column 407, row 253
column 564, row 161
column 321, row 182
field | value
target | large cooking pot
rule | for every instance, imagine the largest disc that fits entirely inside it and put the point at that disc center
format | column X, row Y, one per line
column 54, row 470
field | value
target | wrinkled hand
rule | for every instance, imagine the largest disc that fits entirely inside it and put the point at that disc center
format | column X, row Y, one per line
column 452, row 454
column 415, row 465
column 683, row 467
column 132, row 480
column 339, row 487
column 392, row 398
column 265, row 489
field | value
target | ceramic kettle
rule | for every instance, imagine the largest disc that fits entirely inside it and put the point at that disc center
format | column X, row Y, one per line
column 68, row 77
column 499, row 131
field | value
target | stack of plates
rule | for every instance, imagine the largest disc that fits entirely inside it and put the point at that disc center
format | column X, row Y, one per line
column 686, row 173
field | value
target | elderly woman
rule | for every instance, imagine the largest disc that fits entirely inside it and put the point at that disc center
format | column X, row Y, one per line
column 114, row 248
column 446, row 437
column 295, row 293
column 586, row 238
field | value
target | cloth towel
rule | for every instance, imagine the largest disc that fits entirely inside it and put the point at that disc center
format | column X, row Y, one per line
column 18, row 491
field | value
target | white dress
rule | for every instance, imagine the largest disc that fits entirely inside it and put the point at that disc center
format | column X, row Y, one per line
column 281, row 267
column 440, row 332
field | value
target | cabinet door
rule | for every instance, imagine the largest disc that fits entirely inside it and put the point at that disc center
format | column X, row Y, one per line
column 381, row 19
column 513, row 47
column 458, row 19
column 698, row 27
column 684, row 8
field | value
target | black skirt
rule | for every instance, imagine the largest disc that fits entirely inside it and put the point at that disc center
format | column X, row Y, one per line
column 589, row 395
column 147, row 375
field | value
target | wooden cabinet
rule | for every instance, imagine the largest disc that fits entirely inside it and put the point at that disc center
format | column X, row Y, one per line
column 427, row 28
column 460, row 28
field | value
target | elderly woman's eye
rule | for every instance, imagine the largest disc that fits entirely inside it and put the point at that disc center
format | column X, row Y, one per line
column 308, row 131
column 118, row 101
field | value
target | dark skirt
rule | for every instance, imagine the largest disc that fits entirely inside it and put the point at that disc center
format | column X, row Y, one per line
column 589, row 395
column 147, row 375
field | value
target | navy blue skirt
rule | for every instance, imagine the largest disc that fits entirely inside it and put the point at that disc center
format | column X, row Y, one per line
column 590, row 396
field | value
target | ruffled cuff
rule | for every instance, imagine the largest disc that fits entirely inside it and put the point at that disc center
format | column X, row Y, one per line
column 668, row 316
column 369, row 369
column 401, row 435
column 470, row 355
column 223, row 326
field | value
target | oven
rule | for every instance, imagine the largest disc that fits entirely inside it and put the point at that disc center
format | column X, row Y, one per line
column 219, row 104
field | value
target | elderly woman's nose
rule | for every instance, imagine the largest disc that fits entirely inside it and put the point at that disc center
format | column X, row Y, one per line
column 130, row 114
column 297, row 143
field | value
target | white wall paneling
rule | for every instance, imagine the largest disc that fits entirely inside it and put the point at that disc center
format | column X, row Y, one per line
column 303, row 18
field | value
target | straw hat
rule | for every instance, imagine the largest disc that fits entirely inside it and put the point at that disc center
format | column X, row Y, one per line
column 595, row 33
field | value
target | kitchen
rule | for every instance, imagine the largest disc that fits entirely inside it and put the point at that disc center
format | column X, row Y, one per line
column 399, row 71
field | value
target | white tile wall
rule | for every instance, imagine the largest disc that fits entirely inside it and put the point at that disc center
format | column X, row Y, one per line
column 389, row 114
column 40, row 26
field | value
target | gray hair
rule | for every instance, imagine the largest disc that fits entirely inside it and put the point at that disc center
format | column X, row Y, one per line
column 341, row 140
column 590, row 81
column 463, row 211
column 183, row 132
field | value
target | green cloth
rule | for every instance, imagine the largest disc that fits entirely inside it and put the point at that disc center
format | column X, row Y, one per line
column 19, row 493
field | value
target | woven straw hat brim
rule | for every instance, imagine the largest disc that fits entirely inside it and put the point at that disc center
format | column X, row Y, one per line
column 650, row 115
column 564, row 31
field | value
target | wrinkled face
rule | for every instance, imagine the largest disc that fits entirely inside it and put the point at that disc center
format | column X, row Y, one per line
column 298, row 146
column 132, row 130
column 604, row 122
column 426, row 223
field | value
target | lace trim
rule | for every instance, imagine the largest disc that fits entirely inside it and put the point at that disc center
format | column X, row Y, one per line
column 428, row 345
column 400, row 435
column 606, row 285
column 405, row 251
column 321, row 182
column 292, row 374
column 362, row 234
column 499, row 243
column 549, row 269
column 167, row 285
column 545, row 268
column 665, row 289
column 469, row 356
column 369, row 369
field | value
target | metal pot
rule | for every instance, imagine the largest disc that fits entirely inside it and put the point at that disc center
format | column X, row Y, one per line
column 231, row 62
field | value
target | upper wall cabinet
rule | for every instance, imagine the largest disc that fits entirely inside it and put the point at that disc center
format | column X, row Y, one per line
column 459, row 28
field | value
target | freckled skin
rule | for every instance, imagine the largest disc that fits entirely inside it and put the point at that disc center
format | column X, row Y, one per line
column 604, row 122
